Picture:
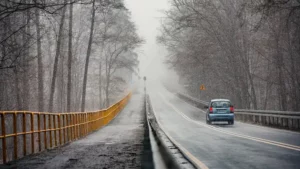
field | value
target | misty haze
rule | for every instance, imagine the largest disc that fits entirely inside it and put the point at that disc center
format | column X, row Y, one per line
column 162, row 84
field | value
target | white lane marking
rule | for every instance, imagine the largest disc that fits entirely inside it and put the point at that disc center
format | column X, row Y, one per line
column 284, row 145
column 196, row 161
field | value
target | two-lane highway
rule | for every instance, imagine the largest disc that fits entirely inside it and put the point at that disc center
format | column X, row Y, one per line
column 223, row 146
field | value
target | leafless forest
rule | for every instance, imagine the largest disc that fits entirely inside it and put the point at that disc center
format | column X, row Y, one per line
column 65, row 55
column 245, row 50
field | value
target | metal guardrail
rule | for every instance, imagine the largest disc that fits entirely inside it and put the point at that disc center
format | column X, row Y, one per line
column 273, row 112
column 282, row 113
column 282, row 119
column 48, row 130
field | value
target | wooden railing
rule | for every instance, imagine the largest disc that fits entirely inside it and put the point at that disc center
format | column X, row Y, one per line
column 25, row 132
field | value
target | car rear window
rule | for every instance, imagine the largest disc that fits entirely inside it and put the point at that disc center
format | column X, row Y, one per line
column 220, row 104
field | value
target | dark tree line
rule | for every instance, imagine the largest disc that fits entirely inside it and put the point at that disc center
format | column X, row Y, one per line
column 248, row 51
column 65, row 55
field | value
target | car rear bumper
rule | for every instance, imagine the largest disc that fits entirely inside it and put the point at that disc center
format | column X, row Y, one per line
column 221, row 117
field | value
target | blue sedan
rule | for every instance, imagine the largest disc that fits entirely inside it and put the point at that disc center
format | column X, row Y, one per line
column 220, row 110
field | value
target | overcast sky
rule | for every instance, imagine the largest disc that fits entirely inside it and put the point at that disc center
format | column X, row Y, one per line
column 146, row 15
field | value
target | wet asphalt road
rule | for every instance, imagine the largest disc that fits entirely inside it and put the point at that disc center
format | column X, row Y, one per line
column 224, row 146
column 118, row 145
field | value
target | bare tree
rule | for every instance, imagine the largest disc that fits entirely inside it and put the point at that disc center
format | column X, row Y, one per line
column 57, row 54
column 40, row 63
column 32, row 73
column 88, row 53
column 236, row 48
column 70, row 59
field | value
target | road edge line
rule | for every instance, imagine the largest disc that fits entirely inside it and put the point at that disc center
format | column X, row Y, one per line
column 192, row 159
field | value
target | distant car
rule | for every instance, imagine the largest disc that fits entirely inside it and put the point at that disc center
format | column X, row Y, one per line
column 220, row 110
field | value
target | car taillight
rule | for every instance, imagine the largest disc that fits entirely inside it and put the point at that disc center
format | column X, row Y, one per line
column 231, row 109
column 210, row 110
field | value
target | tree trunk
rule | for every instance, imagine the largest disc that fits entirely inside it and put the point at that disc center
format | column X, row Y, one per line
column 279, row 65
column 61, row 89
column 107, row 73
column 100, row 86
column 107, row 92
column 282, row 88
column 88, row 58
column 40, row 64
column 3, row 89
column 25, row 76
column 69, row 86
column 58, row 45
column 17, row 89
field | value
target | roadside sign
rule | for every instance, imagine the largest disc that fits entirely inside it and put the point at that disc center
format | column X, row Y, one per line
column 202, row 87
column 145, row 78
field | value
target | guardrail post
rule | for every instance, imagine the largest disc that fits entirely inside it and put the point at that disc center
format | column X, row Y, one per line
column 69, row 127
column 59, row 129
column 295, row 122
column 259, row 119
column 50, row 129
column 80, row 121
column 266, row 120
column 290, row 123
column 32, row 132
column 91, row 124
column 39, row 131
column 24, row 135
column 76, row 126
column 55, row 129
column 70, row 124
column 79, row 125
column 82, row 124
column 4, row 137
column 72, row 127
column 271, row 121
column 283, row 122
column 95, row 123
column 64, row 128
column 15, row 136
column 45, row 133
column 87, row 123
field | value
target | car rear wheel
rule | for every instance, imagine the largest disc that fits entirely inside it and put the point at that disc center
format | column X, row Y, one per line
column 231, row 122
column 208, row 121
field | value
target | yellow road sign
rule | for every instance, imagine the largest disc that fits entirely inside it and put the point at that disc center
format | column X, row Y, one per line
column 202, row 87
